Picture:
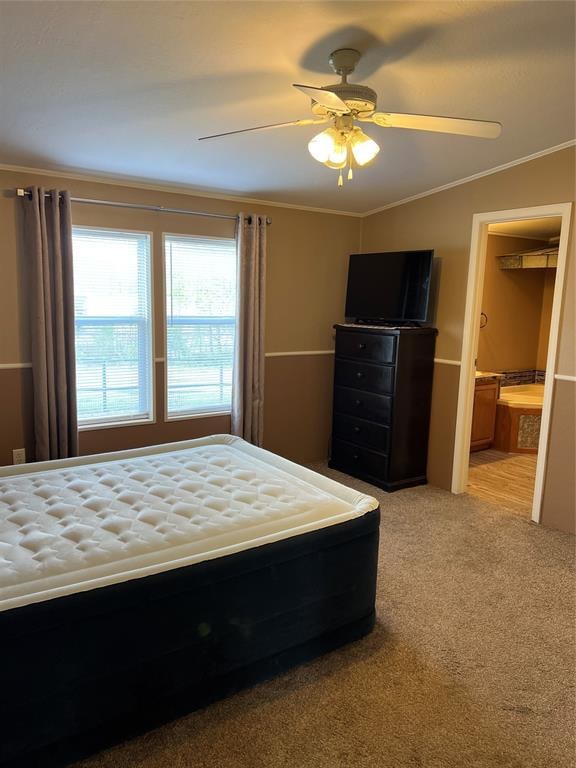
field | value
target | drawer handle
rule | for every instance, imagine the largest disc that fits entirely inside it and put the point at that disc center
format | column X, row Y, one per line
column 355, row 457
column 358, row 403
column 359, row 375
column 361, row 346
column 356, row 429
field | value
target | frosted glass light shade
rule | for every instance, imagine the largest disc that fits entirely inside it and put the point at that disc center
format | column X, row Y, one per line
column 339, row 154
column 337, row 165
column 363, row 147
column 335, row 147
column 329, row 147
column 321, row 145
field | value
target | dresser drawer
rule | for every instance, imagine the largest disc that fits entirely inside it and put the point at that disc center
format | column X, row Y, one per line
column 366, row 346
column 364, row 405
column 358, row 460
column 360, row 432
column 374, row 378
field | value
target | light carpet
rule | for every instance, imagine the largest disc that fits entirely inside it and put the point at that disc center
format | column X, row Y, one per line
column 472, row 662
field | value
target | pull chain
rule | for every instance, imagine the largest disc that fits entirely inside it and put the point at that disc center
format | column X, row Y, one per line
column 350, row 174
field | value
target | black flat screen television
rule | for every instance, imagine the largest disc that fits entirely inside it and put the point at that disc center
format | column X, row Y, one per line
column 389, row 287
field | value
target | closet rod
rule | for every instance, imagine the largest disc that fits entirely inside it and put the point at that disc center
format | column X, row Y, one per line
column 139, row 206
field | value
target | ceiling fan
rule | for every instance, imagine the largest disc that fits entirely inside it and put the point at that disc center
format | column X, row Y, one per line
column 343, row 104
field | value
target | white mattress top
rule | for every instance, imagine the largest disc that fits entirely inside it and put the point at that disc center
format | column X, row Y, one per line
column 76, row 524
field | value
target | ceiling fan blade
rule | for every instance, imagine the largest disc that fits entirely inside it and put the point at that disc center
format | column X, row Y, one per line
column 326, row 98
column 481, row 128
column 307, row 121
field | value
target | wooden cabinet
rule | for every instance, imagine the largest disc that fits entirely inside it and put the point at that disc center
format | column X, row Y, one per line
column 484, row 414
column 382, row 395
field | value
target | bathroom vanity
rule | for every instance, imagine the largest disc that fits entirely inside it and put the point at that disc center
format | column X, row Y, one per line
column 486, row 392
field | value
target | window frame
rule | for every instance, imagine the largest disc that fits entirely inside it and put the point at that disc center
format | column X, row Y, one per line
column 97, row 424
column 209, row 412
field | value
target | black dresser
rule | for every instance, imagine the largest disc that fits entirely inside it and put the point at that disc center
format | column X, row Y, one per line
column 382, row 394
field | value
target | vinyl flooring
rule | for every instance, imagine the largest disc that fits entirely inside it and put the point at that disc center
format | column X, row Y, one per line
column 504, row 479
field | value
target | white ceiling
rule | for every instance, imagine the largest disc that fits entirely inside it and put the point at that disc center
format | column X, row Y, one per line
column 126, row 88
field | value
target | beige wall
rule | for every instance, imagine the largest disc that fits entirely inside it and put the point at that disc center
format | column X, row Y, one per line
column 307, row 263
column 512, row 300
column 299, row 398
column 545, row 318
column 443, row 221
column 559, row 508
column 305, row 295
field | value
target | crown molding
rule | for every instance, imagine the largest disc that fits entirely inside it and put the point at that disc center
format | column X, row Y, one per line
column 467, row 179
column 175, row 189
column 181, row 189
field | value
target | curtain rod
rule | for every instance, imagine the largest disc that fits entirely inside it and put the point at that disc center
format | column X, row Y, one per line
column 140, row 206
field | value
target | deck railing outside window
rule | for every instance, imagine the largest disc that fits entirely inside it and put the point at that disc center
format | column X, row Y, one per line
column 113, row 324
column 200, row 279
column 111, row 370
column 201, row 352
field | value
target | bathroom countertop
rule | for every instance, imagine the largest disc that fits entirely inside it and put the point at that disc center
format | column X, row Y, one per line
column 487, row 375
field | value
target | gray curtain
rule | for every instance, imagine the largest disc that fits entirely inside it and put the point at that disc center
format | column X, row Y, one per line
column 48, row 244
column 248, row 384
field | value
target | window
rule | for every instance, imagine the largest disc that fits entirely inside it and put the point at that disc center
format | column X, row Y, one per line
column 200, row 283
column 112, row 307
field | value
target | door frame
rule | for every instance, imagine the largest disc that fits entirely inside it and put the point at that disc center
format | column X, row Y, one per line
column 474, row 293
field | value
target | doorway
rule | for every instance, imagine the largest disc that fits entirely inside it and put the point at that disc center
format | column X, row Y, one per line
column 514, row 295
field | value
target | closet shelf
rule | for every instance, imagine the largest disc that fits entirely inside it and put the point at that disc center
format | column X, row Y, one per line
column 540, row 258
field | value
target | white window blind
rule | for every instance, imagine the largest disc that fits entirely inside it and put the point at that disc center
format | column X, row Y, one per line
column 112, row 304
column 200, row 279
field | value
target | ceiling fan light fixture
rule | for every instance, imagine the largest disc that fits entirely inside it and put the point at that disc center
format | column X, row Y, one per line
column 330, row 147
column 337, row 165
column 322, row 145
column 338, row 157
column 363, row 147
column 341, row 144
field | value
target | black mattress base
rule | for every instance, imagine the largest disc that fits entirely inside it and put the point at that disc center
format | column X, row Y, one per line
column 83, row 671
column 162, row 711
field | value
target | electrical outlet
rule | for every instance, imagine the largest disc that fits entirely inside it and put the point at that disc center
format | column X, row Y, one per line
column 19, row 456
